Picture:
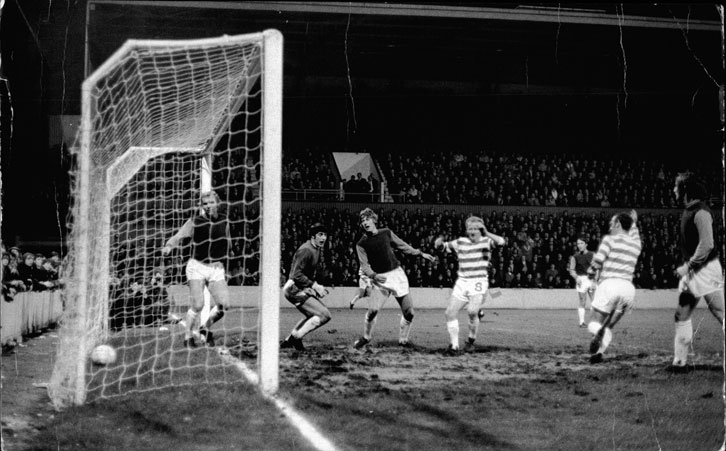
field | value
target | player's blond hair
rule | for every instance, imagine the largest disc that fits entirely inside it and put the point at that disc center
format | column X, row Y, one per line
column 476, row 220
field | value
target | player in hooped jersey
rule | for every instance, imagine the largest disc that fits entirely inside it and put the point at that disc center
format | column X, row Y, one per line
column 473, row 252
column 700, row 275
column 209, row 231
column 379, row 263
column 615, row 294
column 302, row 289
column 579, row 262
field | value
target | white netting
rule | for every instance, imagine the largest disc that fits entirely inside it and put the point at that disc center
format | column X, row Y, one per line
column 162, row 122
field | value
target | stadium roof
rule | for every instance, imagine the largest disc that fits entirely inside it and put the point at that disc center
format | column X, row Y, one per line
column 448, row 46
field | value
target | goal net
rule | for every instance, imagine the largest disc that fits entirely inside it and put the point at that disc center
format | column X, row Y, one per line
column 163, row 122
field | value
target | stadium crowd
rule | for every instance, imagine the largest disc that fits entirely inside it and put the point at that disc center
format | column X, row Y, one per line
column 505, row 178
column 27, row 271
column 539, row 242
column 536, row 254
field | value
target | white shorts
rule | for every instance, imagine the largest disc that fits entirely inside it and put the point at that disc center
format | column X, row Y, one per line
column 614, row 294
column 704, row 281
column 396, row 283
column 466, row 289
column 210, row 272
column 364, row 282
column 583, row 284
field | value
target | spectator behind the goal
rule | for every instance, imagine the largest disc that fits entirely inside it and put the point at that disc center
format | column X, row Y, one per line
column 211, row 245
column 26, row 270
column 45, row 278
column 11, row 278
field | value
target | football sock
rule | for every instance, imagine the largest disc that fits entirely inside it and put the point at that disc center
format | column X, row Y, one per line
column 453, row 328
column 368, row 327
column 606, row 339
column 215, row 314
column 581, row 314
column 310, row 325
column 191, row 319
column 405, row 330
column 682, row 342
column 473, row 325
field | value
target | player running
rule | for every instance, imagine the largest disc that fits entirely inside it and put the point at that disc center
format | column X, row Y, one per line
column 209, row 231
column 303, row 291
column 615, row 294
column 379, row 263
column 579, row 262
column 473, row 252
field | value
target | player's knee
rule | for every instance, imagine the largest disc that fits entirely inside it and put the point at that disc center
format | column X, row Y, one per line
column 324, row 317
column 315, row 321
column 450, row 314
column 371, row 315
column 408, row 314
column 594, row 327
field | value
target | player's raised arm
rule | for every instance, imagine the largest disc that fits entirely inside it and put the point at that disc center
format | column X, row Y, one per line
column 499, row 240
column 184, row 232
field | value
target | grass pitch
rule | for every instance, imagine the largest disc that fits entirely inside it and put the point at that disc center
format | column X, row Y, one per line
column 527, row 386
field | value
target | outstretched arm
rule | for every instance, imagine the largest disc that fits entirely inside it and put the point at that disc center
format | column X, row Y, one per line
column 184, row 232
column 408, row 249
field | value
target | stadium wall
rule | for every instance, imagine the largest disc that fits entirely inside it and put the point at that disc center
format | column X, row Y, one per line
column 386, row 207
column 438, row 298
column 28, row 312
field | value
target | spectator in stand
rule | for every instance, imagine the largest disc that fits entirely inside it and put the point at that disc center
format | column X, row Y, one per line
column 26, row 270
column 11, row 278
column 374, row 186
column 364, row 188
column 351, row 188
column 42, row 280
column 16, row 254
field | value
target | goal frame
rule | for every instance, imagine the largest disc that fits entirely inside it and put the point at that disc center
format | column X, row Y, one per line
column 271, row 190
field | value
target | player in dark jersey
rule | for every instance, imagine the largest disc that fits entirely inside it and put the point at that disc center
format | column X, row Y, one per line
column 700, row 275
column 379, row 263
column 209, row 231
column 303, row 291
column 579, row 262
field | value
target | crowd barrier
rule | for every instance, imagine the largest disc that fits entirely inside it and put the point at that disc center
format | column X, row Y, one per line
column 438, row 298
column 27, row 313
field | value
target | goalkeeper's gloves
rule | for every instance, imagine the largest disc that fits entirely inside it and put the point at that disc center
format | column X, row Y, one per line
column 320, row 291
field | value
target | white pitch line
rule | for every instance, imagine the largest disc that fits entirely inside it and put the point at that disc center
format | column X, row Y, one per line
column 306, row 428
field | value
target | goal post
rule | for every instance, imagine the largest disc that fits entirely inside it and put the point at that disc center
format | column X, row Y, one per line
column 162, row 122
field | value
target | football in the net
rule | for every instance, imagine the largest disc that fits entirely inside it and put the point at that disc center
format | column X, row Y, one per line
column 103, row 355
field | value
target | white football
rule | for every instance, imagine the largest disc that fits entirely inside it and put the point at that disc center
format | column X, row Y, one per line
column 103, row 355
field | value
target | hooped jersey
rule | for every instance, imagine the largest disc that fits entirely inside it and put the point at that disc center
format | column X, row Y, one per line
column 473, row 256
